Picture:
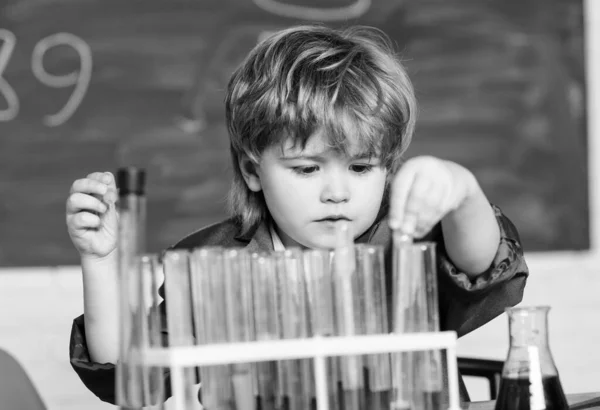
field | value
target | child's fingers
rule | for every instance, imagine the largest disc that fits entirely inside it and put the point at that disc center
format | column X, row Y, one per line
column 100, row 184
column 416, row 204
column 84, row 220
column 107, row 177
column 423, row 207
column 89, row 186
column 112, row 194
column 427, row 219
column 400, row 190
column 83, row 202
column 97, row 176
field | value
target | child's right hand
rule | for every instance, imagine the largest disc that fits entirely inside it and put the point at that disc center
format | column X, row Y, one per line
column 92, row 219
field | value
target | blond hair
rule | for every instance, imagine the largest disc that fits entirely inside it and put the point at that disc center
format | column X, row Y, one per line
column 302, row 79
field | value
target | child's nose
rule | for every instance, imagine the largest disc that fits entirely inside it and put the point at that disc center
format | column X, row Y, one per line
column 336, row 189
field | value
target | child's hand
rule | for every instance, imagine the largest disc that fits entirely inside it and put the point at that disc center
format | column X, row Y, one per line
column 424, row 190
column 92, row 219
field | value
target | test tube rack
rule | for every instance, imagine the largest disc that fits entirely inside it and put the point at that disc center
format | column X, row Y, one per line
column 316, row 348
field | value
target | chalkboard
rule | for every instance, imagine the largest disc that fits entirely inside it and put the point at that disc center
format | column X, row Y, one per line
column 88, row 85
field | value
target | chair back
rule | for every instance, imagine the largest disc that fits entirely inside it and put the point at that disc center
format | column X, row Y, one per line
column 489, row 369
column 17, row 391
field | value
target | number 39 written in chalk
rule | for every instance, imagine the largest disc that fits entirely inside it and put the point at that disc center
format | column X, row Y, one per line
column 79, row 80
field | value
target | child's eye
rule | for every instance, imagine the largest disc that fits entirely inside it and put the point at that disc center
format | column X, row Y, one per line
column 361, row 168
column 306, row 170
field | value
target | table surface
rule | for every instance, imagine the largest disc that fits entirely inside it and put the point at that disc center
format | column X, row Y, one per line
column 576, row 402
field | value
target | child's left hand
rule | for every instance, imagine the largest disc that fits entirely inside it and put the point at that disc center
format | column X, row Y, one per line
column 424, row 190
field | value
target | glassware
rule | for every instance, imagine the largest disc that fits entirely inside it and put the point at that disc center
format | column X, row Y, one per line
column 349, row 316
column 139, row 385
column 180, row 321
column 370, row 268
column 296, row 376
column 240, row 324
column 150, row 325
column 530, row 379
column 210, row 286
column 131, row 205
column 417, row 376
column 319, row 279
column 267, row 325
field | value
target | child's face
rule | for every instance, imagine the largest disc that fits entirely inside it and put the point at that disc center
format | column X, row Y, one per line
column 308, row 191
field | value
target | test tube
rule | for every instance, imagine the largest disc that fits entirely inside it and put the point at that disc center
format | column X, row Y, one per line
column 371, row 273
column 434, row 393
column 267, row 322
column 151, row 324
column 240, row 324
column 209, row 294
column 297, row 392
column 140, row 385
column 416, row 376
column 131, row 235
column 348, row 315
column 180, row 322
column 318, row 276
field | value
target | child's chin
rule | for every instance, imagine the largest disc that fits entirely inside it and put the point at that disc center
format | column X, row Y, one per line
column 322, row 242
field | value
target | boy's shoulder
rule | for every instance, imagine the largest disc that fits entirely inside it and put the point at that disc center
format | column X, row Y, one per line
column 225, row 233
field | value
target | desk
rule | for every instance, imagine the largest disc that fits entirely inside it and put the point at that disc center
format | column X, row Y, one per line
column 573, row 399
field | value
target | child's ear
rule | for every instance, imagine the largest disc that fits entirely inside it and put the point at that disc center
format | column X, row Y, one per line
column 250, row 174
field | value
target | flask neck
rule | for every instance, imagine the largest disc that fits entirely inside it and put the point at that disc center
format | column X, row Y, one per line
column 529, row 355
column 528, row 327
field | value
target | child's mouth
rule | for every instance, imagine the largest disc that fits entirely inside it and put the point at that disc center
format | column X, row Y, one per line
column 334, row 218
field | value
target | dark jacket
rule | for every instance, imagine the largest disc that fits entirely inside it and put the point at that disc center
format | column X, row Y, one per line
column 464, row 304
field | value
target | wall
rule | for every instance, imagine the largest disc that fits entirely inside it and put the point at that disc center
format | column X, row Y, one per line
column 500, row 87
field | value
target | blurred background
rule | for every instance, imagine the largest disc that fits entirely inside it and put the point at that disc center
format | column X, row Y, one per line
column 506, row 88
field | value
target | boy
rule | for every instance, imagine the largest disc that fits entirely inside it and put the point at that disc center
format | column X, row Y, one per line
column 318, row 121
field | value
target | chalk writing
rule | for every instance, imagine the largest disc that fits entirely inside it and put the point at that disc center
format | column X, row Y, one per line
column 8, row 93
column 355, row 10
column 79, row 79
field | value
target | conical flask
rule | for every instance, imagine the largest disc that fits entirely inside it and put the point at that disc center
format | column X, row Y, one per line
column 529, row 378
